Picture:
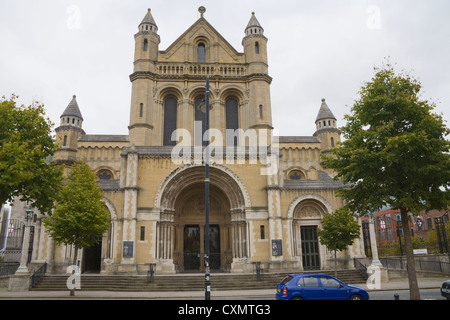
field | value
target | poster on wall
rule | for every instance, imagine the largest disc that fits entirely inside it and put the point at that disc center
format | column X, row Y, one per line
column 127, row 251
column 277, row 248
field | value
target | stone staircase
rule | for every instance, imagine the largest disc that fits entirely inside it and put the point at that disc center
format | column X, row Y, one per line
column 179, row 282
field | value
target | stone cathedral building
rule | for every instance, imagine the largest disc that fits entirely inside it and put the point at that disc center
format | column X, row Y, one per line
column 154, row 188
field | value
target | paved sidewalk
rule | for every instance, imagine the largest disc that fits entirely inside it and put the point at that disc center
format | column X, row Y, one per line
column 397, row 284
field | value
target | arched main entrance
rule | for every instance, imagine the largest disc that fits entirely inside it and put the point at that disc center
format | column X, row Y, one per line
column 190, row 232
column 181, row 229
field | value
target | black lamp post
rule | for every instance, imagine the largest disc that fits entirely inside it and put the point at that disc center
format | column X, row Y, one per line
column 205, row 108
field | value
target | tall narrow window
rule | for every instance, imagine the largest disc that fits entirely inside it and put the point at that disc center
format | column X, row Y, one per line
column 141, row 110
column 65, row 141
column 170, row 120
column 260, row 111
column 257, row 47
column 232, row 119
column 201, row 53
column 332, row 142
column 199, row 120
column 142, row 234
column 145, row 44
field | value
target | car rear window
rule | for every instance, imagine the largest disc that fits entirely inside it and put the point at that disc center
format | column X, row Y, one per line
column 286, row 280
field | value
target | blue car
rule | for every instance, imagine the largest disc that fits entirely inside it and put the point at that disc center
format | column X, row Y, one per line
column 316, row 286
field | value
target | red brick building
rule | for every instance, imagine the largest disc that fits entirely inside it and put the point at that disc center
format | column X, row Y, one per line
column 387, row 225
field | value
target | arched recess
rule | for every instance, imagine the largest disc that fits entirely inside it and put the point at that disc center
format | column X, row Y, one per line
column 98, row 257
column 180, row 200
column 305, row 214
column 109, row 238
column 170, row 98
column 189, row 174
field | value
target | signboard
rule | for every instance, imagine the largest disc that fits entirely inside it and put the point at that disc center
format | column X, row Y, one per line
column 127, row 251
column 420, row 251
column 277, row 248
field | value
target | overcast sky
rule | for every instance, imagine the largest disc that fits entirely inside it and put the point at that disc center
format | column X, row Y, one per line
column 50, row 50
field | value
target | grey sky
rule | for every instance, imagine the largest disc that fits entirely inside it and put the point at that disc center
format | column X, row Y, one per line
column 51, row 50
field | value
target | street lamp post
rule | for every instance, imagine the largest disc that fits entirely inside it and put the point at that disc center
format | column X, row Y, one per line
column 205, row 108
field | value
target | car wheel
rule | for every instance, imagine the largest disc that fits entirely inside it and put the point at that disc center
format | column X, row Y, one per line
column 297, row 298
column 355, row 297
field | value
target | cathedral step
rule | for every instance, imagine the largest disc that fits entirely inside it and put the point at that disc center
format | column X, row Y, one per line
column 179, row 282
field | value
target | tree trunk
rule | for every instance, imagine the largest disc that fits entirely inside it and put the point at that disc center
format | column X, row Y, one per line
column 74, row 262
column 410, row 263
column 335, row 263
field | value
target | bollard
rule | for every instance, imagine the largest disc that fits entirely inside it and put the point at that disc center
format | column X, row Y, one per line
column 396, row 296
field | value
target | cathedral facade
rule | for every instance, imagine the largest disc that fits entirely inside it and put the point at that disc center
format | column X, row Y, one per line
column 268, row 193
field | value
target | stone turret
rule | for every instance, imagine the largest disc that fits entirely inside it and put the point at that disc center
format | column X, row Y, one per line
column 326, row 128
column 68, row 132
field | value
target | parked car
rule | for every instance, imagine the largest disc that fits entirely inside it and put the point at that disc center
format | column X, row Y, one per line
column 316, row 286
column 445, row 289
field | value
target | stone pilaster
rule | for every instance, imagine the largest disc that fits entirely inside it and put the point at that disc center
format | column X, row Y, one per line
column 128, row 262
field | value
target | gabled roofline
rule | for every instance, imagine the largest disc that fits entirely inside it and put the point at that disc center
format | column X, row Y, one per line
column 201, row 20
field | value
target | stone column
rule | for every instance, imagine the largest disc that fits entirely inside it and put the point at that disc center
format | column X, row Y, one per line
column 274, row 208
column 165, row 241
column 128, row 263
column 239, row 240
column 376, row 272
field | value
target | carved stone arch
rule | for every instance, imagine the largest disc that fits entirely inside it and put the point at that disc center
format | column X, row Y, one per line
column 186, row 175
column 232, row 91
column 111, row 208
column 173, row 90
column 180, row 202
column 199, row 90
column 109, row 238
column 319, row 201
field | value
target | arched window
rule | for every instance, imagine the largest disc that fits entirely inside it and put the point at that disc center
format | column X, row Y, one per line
column 295, row 175
column 201, row 53
column 141, row 110
column 199, row 118
column 232, row 118
column 65, row 141
column 145, row 44
column 170, row 120
column 257, row 47
column 104, row 175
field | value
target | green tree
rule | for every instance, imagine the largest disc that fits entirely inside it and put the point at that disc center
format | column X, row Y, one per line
column 80, row 217
column 394, row 154
column 338, row 231
column 26, row 145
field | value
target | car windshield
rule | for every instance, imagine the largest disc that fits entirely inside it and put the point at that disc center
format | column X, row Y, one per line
column 286, row 280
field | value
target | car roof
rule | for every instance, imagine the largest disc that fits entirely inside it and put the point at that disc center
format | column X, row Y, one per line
column 309, row 274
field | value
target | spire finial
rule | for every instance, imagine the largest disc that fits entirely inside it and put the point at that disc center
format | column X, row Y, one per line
column 202, row 10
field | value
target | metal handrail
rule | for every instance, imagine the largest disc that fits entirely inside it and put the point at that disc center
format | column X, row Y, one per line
column 38, row 274
column 362, row 269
